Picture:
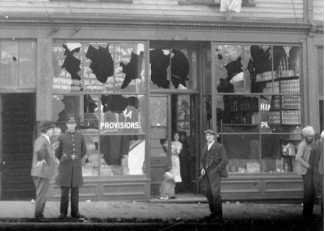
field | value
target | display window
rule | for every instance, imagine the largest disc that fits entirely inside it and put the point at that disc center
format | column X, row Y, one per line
column 173, row 67
column 113, row 127
column 258, row 106
column 98, row 67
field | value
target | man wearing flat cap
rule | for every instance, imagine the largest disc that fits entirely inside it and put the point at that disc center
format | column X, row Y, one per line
column 72, row 148
column 305, row 167
column 44, row 166
column 213, row 168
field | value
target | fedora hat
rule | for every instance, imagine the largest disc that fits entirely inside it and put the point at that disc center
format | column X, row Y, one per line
column 46, row 124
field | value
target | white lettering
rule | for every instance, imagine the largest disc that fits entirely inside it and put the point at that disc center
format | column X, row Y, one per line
column 126, row 114
column 264, row 125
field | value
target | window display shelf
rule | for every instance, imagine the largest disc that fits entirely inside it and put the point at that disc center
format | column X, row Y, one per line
column 241, row 125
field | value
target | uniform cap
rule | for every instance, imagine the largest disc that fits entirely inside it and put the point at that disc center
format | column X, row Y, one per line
column 71, row 119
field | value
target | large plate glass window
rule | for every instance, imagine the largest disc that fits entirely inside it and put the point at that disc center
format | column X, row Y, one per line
column 98, row 67
column 259, row 102
column 173, row 66
column 113, row 127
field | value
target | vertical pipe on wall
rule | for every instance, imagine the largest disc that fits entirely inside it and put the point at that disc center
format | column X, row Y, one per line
column 213, row 88
column 146, row 114
column 312, row 81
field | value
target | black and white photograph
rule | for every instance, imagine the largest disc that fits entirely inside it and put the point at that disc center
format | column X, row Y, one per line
column 162, row 115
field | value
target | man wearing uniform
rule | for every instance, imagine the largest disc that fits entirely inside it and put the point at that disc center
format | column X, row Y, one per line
column 72, row 148
column 213, row 168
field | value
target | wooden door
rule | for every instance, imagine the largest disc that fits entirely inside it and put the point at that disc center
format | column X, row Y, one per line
column 18, row 125
column 159, row 158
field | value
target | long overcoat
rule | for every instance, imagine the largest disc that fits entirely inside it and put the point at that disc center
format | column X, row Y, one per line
column 72, row 148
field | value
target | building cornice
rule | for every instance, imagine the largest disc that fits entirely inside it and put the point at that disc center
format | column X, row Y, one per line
column 194, row 26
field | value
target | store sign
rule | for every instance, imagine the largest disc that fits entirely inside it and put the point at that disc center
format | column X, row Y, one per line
column 128, row 120
column 264, row 109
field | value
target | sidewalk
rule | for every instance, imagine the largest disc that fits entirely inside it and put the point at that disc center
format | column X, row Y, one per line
column 181, row 215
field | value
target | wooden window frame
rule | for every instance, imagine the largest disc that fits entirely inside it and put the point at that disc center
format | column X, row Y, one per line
column 246, row 3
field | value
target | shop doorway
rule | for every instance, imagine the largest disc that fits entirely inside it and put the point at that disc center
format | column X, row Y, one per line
column 17, row 129
column 170, row 113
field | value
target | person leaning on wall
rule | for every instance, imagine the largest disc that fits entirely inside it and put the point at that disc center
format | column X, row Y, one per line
column 305, row 167
column 44, row 166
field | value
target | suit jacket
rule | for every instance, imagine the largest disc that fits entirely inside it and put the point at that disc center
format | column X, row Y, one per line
column 43, row 151
column 219, row 162
column 302, row 157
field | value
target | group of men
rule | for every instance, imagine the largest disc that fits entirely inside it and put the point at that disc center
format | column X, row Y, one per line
column 71, row 148
column 62, row 161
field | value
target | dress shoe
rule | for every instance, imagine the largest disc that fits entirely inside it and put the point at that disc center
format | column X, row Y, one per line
column 217, row 219
column 212, row 215
column 77, row 215
column 62, row 216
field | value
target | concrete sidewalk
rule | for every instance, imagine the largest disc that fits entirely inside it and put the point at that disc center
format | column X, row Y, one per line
column 122, row 215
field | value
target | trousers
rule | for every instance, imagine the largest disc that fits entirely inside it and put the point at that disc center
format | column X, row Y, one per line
column 213, row 186
column 42, row 186
column 65, row 200
column 322, row 193
column 309, row 192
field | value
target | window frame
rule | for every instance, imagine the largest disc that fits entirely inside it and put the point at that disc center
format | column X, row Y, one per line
column 259, row 133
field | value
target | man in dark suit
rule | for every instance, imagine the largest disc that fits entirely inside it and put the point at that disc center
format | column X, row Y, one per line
column 213, row 168
column 72, row 148
column 44, row 166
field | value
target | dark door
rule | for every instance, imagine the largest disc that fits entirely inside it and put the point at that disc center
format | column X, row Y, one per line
column 185, row 118
column 17, row 126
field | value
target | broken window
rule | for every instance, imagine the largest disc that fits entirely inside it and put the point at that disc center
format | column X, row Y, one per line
column 98, row 67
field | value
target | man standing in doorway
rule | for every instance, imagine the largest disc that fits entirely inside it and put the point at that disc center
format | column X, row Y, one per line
column 72, row 148
column 213, row 168
column 44, row 166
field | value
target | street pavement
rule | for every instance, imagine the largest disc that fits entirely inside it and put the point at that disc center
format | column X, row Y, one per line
column 180, row 214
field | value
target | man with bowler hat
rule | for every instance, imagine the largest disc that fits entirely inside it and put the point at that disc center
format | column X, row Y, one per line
column 72, row 148
column 213, row 168
column 44, row 166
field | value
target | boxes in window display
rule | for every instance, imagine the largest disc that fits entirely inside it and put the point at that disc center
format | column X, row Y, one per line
column 66, row 84
column 252, row 166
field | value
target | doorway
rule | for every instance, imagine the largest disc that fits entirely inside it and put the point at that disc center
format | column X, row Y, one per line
column 170, row 113
column 18, row 133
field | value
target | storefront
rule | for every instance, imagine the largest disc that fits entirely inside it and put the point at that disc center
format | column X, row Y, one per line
column 248, row 81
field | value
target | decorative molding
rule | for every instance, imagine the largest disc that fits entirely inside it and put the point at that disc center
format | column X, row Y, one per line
column 143, row 26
